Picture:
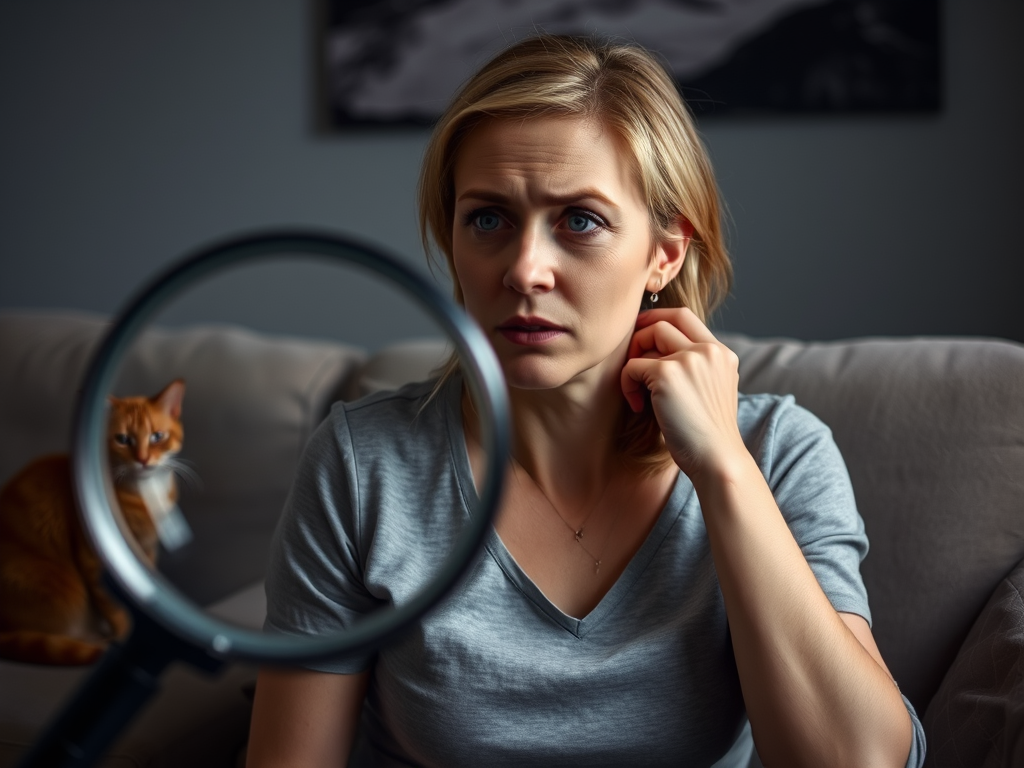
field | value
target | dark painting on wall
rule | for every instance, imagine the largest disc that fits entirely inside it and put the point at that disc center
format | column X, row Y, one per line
column 399, row 61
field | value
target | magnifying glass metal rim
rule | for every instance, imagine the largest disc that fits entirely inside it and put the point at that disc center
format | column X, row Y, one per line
column 156, row 597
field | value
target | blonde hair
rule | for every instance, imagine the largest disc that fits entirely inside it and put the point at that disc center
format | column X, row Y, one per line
column 625, row 88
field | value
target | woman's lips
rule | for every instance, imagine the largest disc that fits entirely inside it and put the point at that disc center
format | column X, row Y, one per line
column 529, row 331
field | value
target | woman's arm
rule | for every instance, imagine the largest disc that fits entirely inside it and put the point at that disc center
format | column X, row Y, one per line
column 815, row 688
column 303, row 718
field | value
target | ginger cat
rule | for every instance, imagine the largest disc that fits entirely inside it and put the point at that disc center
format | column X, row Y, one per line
column 53, row 607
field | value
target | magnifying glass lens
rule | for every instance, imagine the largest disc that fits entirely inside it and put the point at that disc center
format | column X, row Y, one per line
column 263, row 431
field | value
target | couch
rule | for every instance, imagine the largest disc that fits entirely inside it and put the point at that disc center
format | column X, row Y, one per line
column 932, row 430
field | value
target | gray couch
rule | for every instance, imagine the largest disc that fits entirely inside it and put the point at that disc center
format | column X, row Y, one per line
column 932, row 431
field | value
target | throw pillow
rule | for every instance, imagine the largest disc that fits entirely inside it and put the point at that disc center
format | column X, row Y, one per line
column 976, row 719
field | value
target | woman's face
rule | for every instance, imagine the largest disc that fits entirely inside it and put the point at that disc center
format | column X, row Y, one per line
column 552, row 247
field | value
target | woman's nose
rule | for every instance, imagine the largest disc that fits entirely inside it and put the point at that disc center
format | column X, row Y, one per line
column 532, row 268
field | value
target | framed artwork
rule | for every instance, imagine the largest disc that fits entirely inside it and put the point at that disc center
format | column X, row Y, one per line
column 400, row 61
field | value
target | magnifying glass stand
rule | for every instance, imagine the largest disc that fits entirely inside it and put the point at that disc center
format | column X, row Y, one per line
column 126, row 676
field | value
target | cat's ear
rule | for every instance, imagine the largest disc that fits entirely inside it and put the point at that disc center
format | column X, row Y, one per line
column 169, row 400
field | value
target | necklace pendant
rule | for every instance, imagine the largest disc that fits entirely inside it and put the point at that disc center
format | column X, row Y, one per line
column 597, row 567
column 579, row 535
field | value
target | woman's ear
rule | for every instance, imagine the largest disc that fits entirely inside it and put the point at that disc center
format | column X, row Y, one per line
column 670, row 253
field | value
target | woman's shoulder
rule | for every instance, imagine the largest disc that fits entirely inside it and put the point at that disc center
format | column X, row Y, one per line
column 781, row 435
column 398, row 404
column 396, row 408
column 391, row 422
column 777, row 416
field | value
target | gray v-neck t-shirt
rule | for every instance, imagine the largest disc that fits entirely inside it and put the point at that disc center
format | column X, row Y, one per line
column 496, row 674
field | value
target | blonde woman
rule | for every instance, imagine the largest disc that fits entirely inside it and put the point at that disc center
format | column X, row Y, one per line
column 674, row 573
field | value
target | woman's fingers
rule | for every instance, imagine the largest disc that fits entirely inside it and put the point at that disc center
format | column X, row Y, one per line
column 692, row 380
column 634, row 381
column 657, row 340
column 682, row 318
column 644, row 374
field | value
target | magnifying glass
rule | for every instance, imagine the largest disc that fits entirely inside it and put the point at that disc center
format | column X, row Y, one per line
column 166, row 625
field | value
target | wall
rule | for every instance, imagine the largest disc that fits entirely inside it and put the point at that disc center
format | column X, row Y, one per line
column 131, row 133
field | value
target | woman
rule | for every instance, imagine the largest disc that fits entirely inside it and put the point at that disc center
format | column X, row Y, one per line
column 670, row 560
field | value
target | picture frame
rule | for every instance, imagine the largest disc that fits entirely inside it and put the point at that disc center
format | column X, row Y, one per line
column 398, row 62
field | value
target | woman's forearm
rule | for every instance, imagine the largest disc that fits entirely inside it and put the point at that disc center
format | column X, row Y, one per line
column 814, row 694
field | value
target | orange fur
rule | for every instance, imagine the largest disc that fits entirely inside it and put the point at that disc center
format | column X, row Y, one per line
column 53, row 607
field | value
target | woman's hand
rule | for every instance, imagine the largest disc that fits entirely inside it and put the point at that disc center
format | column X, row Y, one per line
column 692, row 379
column 814, row 684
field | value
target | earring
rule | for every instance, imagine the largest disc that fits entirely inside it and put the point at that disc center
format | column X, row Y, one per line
column 654, row 295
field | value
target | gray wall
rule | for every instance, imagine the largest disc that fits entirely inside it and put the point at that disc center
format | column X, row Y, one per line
column 134, row 132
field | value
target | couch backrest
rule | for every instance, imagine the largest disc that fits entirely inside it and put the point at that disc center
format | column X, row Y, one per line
column 932, row 431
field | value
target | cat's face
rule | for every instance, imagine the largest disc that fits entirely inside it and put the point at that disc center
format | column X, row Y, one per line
column 144, row 432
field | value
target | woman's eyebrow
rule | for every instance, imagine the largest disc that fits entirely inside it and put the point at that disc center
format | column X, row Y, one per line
column 569, row 198
column 487, row 195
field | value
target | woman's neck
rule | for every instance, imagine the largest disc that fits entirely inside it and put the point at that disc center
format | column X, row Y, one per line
column 564, row 438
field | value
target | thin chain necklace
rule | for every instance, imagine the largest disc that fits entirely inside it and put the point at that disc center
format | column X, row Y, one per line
column 577, row 532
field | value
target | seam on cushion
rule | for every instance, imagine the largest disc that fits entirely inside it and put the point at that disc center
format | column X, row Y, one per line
column 1017, row 602
column 1016, row 591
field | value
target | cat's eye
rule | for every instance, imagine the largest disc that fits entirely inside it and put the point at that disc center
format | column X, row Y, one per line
column 157, row 437
column 121, row 439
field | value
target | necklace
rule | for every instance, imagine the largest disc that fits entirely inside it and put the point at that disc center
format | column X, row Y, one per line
column 577, row 532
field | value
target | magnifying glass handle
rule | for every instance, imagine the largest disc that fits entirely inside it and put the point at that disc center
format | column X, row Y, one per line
column 124, row 679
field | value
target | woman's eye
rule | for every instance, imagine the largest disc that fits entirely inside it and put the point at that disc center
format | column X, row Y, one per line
column 486, row 221
column 582, row 223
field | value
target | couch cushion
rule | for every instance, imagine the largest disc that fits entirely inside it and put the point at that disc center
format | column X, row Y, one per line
column 932, row 431
column 976, row 719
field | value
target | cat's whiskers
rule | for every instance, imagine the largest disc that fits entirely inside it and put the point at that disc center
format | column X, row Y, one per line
column 120, row 473
column 183, row 469
column 132, row 472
